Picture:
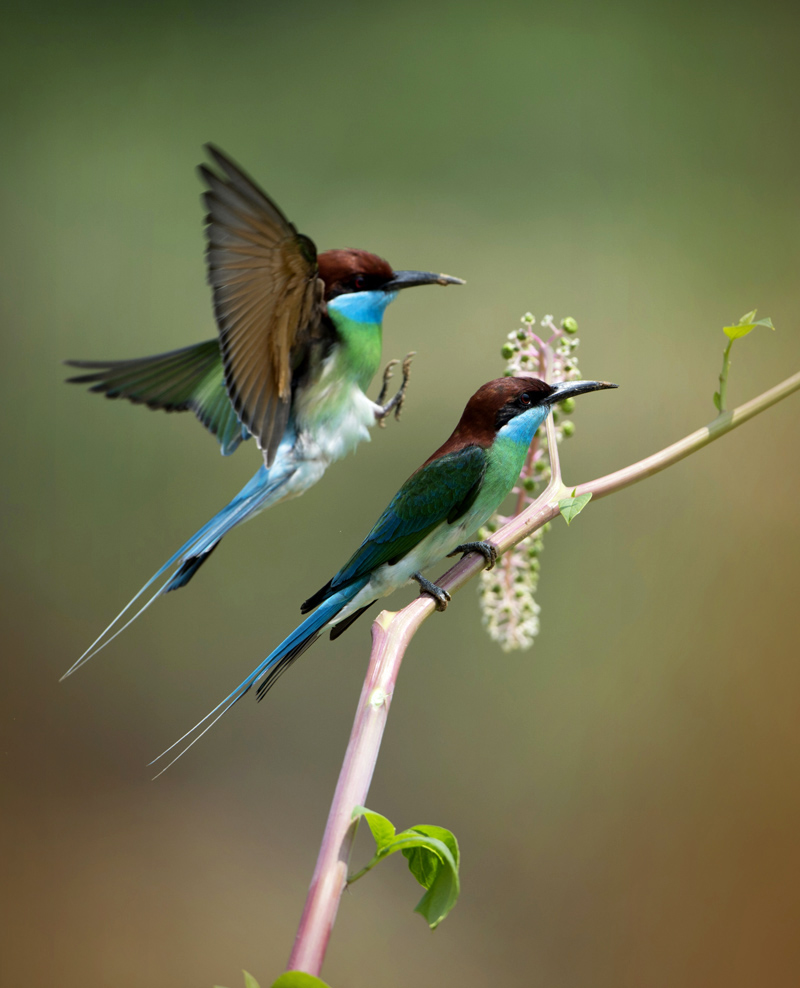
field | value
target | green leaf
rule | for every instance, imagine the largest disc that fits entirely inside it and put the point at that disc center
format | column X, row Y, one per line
column 440, row 897
column 382, row 829
column 433, row 870
column 432, row 854
column 438, row 874
column 746, row 325
column 296, row 979
column 425, row 859
column 418, row 860
column 717, row 401
column 737, row 332
column 572, row 506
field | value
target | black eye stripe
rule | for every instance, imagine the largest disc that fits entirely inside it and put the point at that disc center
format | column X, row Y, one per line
column 534, row 396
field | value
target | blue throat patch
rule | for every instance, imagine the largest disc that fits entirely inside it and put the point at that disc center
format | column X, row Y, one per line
column 522, row 428
column 365, row 307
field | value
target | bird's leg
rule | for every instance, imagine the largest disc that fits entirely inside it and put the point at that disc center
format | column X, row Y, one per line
column 396, row 402
column 387, row 376
column 442, row 597
column 485, row 549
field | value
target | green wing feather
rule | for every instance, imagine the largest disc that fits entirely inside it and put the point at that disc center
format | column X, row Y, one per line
column 443, row 490
column 188, row 379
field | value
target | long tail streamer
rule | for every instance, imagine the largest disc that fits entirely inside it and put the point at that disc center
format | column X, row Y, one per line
column 268, row 671
column 252, row 498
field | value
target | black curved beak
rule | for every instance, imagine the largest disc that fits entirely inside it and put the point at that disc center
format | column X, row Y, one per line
column 569, row 389
column 410, row 279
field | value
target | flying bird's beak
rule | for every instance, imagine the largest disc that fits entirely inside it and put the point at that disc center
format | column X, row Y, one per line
column 568, row 389
column 409, row 279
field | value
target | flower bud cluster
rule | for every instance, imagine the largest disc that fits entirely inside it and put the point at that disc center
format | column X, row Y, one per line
column 509, row 609
column 510, row 613
column 551, row 356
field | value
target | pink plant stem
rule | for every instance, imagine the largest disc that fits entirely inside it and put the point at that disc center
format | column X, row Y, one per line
column 391, row 634
column 330, row 874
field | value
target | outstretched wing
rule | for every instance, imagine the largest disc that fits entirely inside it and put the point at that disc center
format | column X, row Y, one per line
column 268, row 297
column 441, row 491
column 188, row 379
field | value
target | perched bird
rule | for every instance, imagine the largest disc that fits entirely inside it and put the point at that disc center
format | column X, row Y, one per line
column 453, row 493
column 299, row 343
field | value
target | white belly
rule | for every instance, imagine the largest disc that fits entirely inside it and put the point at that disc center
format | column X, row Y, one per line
column 339, row 432
column 328, row 425
column 332, row 416
column 386, row 579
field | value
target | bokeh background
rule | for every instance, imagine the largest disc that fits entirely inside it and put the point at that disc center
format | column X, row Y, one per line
column 626, row 793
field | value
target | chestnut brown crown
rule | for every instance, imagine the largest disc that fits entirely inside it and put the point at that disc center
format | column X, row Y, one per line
column 478, row 423
column 352, row 270
column 497, row 402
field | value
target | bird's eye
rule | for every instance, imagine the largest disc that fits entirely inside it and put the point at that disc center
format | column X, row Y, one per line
column 524, row 398
column 359, row 282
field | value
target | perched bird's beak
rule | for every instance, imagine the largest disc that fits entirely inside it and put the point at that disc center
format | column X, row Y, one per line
column 568, row 389
column 408, row 279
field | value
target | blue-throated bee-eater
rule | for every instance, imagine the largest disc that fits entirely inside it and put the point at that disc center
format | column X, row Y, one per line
column 299, row 343
column 453, row 493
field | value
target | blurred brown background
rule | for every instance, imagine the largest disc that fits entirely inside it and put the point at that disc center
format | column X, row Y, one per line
column 626, row 793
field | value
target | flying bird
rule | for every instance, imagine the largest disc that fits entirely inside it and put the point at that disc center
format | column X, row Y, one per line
column 453, row 493
column 299, row 343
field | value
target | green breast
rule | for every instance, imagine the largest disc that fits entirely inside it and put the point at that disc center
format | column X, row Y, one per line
column 360, row 353
column 506, row 458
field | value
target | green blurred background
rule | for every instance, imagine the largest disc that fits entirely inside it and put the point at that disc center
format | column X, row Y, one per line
column 626, row 793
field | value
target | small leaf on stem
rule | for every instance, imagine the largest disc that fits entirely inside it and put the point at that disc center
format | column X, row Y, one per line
column 572, row 506
column 746, row 325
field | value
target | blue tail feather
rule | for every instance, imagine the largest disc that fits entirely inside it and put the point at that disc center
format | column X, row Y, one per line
column 268, row 671
column 188, row 567
column 253, row 497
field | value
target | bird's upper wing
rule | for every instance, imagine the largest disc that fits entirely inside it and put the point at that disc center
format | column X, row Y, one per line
column 441, row 491
column 190, row 378
column 268, row 297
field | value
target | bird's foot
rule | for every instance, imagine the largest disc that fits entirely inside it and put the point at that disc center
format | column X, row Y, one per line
column 395, row 402
column 485, row 549
column 388, row 374
column 442, row 597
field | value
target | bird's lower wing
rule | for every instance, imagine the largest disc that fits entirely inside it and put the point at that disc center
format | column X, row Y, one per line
column 189, row 379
